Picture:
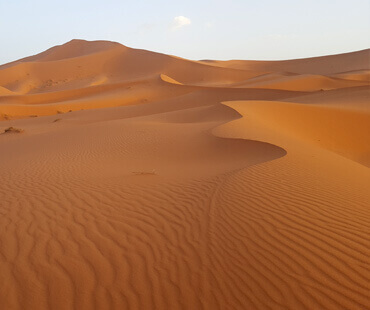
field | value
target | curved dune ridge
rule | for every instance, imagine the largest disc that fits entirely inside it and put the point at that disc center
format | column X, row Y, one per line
column 325, row 127
column 137, row 180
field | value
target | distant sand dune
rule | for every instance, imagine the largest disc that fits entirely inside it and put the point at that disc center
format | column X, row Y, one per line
column 155, row 182
column 5, row 92
column 303, row 83
column 359, row 75
column 317, row 65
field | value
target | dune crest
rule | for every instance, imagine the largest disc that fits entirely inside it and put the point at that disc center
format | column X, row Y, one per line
column 321, row 126
column 137, row 180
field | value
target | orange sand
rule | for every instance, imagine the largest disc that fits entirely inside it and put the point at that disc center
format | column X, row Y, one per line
column 155, row 182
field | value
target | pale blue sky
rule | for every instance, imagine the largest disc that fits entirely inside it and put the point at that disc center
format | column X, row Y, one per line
column 208, row 29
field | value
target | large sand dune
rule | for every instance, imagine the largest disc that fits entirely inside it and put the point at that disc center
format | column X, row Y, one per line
column 139, row 180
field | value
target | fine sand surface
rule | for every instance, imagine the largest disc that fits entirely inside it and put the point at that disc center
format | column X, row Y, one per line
column 137, row 180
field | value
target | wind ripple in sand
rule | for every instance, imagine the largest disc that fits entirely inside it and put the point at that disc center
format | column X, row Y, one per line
column 109, row 241
column 166, row 199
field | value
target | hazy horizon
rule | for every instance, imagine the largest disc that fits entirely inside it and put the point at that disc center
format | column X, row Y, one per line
column 208, row 30
column 204, row 59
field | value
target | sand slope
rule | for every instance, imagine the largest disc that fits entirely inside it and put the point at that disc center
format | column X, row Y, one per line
column 333, row 64
column 175, row 184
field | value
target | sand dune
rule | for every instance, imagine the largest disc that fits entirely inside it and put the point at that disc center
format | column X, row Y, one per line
column 322, row 126
column 176, row 184
column 354, row 98
column 317, row 65
column 302, row 82
column 5, row 92
column 359, row 75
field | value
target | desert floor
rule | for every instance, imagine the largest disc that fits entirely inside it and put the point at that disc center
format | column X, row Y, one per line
column 137, row 180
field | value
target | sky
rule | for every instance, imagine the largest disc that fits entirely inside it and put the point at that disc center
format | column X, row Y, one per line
column 193, row 29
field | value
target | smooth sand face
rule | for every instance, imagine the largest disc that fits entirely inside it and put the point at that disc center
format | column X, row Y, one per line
column 136, row 180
